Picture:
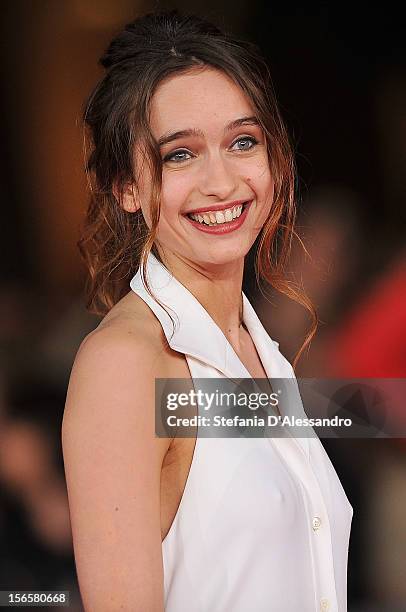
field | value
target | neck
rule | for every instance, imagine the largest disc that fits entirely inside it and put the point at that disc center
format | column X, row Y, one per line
column 218, row 287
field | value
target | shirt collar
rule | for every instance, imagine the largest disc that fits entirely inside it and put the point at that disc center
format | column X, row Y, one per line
column 189, row 329
column 192, row 331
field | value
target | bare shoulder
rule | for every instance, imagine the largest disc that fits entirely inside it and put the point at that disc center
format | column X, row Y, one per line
column 132, row 332
column 119, row 359
column 113, row 459
column 114, row 372
column 130, row 325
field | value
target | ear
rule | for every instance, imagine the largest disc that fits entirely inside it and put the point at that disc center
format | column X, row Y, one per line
column 127, row 197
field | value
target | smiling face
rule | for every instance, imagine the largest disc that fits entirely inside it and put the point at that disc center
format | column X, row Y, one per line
column 215, row 166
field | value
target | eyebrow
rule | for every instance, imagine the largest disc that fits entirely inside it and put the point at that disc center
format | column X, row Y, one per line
column 171, row 136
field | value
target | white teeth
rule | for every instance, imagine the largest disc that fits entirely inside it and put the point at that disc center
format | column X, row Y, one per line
column 219, row 216
column 228, row 215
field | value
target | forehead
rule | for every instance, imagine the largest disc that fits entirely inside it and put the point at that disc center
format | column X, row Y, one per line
column 203, row 98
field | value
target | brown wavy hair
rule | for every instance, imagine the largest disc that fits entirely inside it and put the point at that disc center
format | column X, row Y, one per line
column 114, row 242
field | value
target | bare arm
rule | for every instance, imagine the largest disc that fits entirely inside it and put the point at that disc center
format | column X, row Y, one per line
column 113, row 465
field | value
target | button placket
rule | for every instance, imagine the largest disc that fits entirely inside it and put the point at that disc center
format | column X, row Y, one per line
column 320, row 530
column 316, row 523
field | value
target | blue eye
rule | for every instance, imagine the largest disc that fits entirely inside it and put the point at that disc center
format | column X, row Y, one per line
column 248, row 143
column 178, row 156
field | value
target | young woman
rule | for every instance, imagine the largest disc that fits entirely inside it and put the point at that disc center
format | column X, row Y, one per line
column 190, row 168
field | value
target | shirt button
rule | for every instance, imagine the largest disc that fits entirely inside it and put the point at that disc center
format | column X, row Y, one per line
column 316, row 524
column 324, row 604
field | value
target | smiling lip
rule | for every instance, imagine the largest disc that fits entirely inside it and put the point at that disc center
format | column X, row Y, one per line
column 216, row 207
column 222, row 228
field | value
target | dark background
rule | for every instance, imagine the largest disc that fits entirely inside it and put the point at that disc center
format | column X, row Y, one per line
column 339, row 74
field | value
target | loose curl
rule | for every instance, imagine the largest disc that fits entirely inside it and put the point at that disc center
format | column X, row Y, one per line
column 115, row 243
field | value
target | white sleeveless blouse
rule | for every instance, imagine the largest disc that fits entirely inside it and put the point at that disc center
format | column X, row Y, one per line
column 263, row 524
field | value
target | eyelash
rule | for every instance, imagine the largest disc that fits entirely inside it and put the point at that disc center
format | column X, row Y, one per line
column 170, row 156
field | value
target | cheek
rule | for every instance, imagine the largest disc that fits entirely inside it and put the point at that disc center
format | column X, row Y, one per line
column 173, row 197
column 262, row 184
column 174, row 193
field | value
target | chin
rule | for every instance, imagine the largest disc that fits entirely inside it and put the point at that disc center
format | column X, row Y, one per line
column 220, row 257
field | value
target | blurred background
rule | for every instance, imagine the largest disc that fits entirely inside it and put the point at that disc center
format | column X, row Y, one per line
column 339, row 74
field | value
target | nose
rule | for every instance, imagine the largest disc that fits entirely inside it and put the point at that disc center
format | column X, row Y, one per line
column 217, row 178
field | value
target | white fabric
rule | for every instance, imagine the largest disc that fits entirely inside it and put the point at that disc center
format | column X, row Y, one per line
column 243, row 538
